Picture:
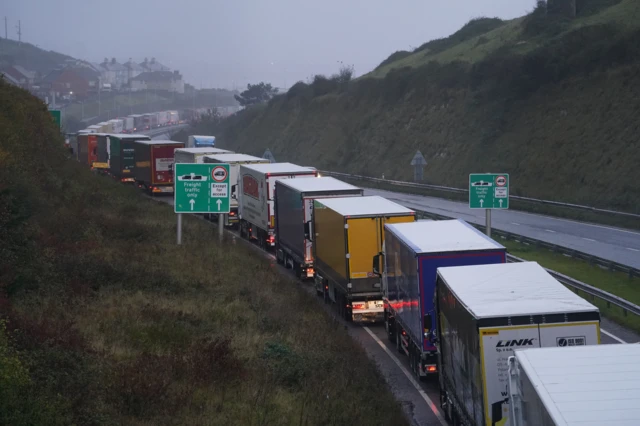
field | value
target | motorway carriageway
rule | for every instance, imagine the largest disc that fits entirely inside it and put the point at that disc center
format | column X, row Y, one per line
column 615, row 244
column 420, row 400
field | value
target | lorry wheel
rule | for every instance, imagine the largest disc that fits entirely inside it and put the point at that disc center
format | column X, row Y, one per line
column 391, row 335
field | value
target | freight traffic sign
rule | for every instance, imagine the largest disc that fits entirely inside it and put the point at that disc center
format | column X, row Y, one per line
column 489, row 191
column 57, row 116
column 201, row 188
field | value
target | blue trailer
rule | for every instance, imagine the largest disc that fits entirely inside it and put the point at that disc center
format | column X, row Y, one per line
column 412, row 253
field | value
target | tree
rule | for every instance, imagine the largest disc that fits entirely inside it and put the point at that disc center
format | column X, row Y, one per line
column 256, row 94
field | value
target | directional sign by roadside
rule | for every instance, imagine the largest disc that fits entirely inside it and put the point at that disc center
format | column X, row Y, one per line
column 201, row 188
column 489, row 191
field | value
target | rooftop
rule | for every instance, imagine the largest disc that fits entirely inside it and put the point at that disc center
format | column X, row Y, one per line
column 442, row 236
column 204, row 150
column 586, row 385
column 278, row 168
column 158, row 142
column 317, row 184
column 365, row 206
column 511, row 289
column 234, row 158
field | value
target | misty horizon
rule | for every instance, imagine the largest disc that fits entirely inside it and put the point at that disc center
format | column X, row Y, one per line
column 228, row 46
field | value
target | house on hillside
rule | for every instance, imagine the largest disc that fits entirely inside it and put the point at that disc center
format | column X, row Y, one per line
column 158, row 80
column 9, row 78
column 133, row 69
column 117, row 72
column 24, row 77
column 79, row 81
column 153, row 65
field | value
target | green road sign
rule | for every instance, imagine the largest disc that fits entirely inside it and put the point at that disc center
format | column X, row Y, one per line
column 201, row 188
column 57, row 115
column 489, row 191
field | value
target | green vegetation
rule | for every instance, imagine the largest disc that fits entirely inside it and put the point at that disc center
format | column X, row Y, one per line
column 29, row 56
column 557, row 109
column 104, row 320
column 613, row 282
column 256, row 94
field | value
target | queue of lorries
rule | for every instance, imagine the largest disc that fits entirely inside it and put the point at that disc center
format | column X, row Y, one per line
column 135, row 123
column 508, row 343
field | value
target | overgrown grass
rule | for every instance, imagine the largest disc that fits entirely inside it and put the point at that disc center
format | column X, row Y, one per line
column 613, row 282
column 107, row 321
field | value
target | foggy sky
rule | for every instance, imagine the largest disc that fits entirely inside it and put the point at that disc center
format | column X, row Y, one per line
column 225, row 43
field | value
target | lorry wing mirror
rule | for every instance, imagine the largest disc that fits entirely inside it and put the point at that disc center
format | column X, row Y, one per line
column 376, row 265
column 234, row 195
column 307, row 231
column 428, row 322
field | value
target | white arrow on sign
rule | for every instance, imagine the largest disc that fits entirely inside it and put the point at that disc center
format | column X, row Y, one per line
column 192, row 202
column 481, row 203
column 500, row 201
column 219, row 203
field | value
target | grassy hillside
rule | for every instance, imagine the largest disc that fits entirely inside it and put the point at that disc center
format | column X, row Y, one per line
column 554, row 102
column 29, row 56
column 104, row 320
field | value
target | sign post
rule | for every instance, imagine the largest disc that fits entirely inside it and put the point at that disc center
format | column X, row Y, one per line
column 268, row 156
column 418, row 162
column 201, row 188
column 489, row 191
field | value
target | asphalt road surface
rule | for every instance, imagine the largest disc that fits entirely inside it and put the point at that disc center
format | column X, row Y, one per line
column 615, row 244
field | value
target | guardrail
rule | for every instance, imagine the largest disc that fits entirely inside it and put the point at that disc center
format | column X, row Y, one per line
column 593, row 260
column 577, row 286
column 464, row 191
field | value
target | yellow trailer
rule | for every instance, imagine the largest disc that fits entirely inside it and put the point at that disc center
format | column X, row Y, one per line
column 347, row 232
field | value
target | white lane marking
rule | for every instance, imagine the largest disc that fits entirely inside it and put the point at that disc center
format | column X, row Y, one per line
column 632, row 249
column 513, row 223
column 588, row 239
column 550, row 230
column 613, row 336
column 415, row 384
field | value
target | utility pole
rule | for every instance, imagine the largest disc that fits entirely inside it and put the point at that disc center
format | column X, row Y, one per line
column 6, row 31
column 19, row 32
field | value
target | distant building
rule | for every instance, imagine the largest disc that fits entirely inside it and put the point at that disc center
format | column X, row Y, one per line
column 9, row 78
column 21, row 75
column 153, row 65
column 117, row 73
column 133, row 69
column 81, row 81
column 158, row 80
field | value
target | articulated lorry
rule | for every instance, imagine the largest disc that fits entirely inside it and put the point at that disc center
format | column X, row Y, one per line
column 575, row 385
column 346, row 233
column 102, row 153
column 197, row 141
column 122, row 157
column 87, row 152
column 485, row 313
column 234, row 161
column 127, row 124
column 154, row 161
column 255, row 205
column 294, row 214
column 412, row 254
column 196, row 155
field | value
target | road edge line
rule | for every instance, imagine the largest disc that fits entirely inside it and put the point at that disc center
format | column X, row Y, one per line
column 613, row 336
column 415, row 384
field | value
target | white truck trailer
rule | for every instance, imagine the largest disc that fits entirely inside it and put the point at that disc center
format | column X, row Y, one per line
column 256, row 198
column 234, row 161
column 485, row 313
column 196, row 155
column 575, row 385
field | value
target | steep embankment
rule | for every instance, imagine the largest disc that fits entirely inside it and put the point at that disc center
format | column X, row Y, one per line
column 554, row 102
column 104, row 320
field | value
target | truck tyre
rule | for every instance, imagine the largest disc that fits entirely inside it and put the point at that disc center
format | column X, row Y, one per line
column 399, row 340
column 391, row 335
